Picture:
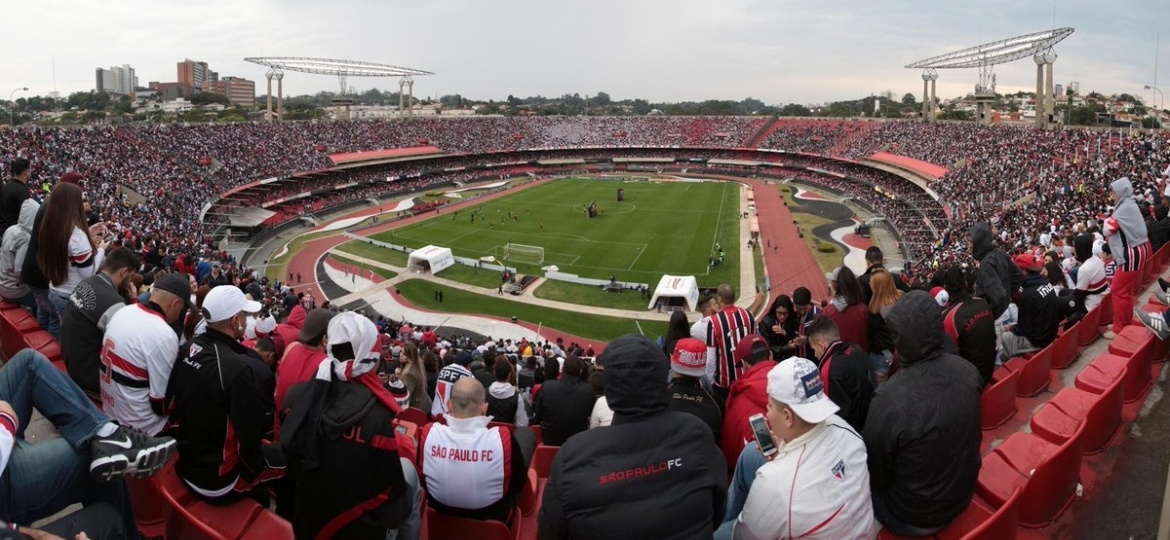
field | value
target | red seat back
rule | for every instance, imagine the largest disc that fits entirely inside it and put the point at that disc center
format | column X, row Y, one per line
column 998, row 403
column 192, row 519
column 1106, row 307
column 1064, row 349
column 542, row 460
column 1053, row 484
column 441, row 527
column 1002, row 525
column 1104, row 417
column 413, row 415
column 270, row 526
column 1089, row 326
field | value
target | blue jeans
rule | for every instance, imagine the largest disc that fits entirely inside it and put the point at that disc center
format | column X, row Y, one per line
column 895, row 525
column 29, row 301
column 750, row 460
column 47, row 312
column 410, row 528
column 41, row 479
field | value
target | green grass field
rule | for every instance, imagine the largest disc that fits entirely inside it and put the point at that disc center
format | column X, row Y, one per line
column 421, row 293
column 666, row 228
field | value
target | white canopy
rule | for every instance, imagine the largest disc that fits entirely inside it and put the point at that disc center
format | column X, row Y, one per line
column 685, row 287
column 430, row 258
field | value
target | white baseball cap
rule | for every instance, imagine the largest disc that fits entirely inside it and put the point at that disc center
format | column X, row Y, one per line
column 225, row 301
column 796, row 382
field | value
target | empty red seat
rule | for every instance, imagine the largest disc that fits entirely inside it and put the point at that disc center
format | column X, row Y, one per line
column 1064, row 349
column 1059, row 418
column 998, row 403
column 1129, row 340
column 980, row 522
column 44, row 343
column 1099, row 375
column 528, row 502
column 1047, row 473
column 1088, row 328
column 542, row 460
column 1034, row 377
column 22, row 319
column 441, row 527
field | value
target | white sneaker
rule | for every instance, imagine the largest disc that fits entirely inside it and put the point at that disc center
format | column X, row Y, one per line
column 1109, row 334
column 1155, row 322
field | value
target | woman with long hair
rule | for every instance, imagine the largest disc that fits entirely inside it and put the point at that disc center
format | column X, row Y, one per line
column 414, row 376
column 430, row 362
column 69, row 250
column 848, row 308
column 779, row 326
column 677, row 329
column 885, row 295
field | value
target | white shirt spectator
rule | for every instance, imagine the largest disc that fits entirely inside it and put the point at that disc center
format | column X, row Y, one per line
column 1091, row 279
column 137, row 356
column 602, row 415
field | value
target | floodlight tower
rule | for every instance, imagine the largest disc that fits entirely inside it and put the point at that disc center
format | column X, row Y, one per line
column 342, row 69
column 985, row 57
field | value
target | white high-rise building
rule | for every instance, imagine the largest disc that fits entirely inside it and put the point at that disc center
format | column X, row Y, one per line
column 119, row 80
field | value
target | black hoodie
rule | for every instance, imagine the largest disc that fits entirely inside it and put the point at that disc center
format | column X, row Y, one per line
column 653, row 473
column 355, row 488
column 997, row 278
column 563, row 408
column 923, row 431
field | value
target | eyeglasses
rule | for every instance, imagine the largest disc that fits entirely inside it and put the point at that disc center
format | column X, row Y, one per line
column 781, row 312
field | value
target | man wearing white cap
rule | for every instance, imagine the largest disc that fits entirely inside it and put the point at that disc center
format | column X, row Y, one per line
column 219, row 407
column 817, row 483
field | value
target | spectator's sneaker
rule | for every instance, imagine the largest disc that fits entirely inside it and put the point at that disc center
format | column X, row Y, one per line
column 1163, row 284
column 1162, row 297
column 1108, row 335
column 1155, row 323
column 128, row 452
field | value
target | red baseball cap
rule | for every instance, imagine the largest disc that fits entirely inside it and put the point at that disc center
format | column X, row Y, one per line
column 1028, row 261
column 751, row 347
column 689, row 358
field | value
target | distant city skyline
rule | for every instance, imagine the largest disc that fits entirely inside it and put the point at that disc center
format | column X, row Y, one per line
column 682, row 50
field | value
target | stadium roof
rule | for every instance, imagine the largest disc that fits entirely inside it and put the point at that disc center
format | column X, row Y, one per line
column 997, row 52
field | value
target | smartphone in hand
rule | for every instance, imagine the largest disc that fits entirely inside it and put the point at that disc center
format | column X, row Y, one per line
column 764, row 440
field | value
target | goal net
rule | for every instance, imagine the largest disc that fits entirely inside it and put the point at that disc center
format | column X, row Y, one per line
column 523, row 254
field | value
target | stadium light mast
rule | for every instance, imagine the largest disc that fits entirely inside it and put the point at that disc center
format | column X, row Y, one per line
column 342, row 69
column 986, row 56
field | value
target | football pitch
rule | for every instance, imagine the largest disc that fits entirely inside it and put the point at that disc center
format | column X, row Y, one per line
column 660, row 228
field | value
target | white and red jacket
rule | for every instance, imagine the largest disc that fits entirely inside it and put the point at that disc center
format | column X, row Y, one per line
column 137, row 357
column 471, row 470
column 817, row 486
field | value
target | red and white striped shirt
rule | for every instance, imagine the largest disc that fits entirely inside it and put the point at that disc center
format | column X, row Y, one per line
column 724, row 330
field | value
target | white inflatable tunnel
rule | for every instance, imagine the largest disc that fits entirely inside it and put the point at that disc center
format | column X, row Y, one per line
column 684, row 287
column 433, row 259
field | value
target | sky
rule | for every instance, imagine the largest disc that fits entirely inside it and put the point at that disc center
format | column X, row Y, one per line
column 778, row 51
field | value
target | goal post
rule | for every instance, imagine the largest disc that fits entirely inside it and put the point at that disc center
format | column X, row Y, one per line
column 523, row 254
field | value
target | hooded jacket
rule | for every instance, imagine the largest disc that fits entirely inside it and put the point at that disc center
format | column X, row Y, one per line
column 286, row 332
column 1039, row 314
column 968, row 321
column 358, row 467
column 1125, row 229
column 506, row 405
column 747, row 396
column 13, row 249
column 609, row 482
column 922, row 433
column 997, row 278
column 563, row 408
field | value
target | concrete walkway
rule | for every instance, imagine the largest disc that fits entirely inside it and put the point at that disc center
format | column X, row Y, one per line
column 404, row 274
column 747, row 264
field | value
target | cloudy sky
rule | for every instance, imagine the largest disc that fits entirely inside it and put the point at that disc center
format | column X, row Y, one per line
column 779, row 51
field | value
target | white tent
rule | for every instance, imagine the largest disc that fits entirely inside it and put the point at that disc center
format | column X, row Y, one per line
column 430, row 258
column 684, row 287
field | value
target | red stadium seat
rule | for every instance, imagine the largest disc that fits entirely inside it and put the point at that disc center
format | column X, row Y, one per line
column 1089, row 327
column 1058, row 420
column 998, row 403
column 542, row 460
column 269, row 526
column 1129, row 340
column 1106, row 318
column 1108, row 367
column 528, row 502
column 44, row 343
column 1034, row 377
column 978, row 522
column 1064, row 349
column 192, row 519
column 150, row 509
column 441, row 527
column 413, row 415
column 537, row 433
column 1047, row 473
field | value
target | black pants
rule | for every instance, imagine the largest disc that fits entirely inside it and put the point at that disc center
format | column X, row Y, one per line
column 99, row 520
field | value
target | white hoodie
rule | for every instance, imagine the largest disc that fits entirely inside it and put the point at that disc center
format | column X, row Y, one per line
column 503, row 390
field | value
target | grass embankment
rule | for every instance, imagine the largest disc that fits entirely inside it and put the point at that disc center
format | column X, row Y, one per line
column 421, row 293
column 588, row 295
column 807, row 222
column 375, row 253
column 278, row 266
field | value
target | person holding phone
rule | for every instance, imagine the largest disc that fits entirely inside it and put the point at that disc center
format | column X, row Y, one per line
column 811, row 479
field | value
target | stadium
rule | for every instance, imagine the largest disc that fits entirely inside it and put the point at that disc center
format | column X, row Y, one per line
column 552, row 239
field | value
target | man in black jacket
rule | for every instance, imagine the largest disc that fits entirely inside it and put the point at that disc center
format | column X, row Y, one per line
column 217, row 405
column 874, row 261
column 1039, row 316
column 844, row 369
column 351, row 481
column 563, row 406
column 91, row 305
column 613, row 481
column 922, row 434
column 687, row 365
column 14, row 192
column 968, row 321
column 997, row 279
